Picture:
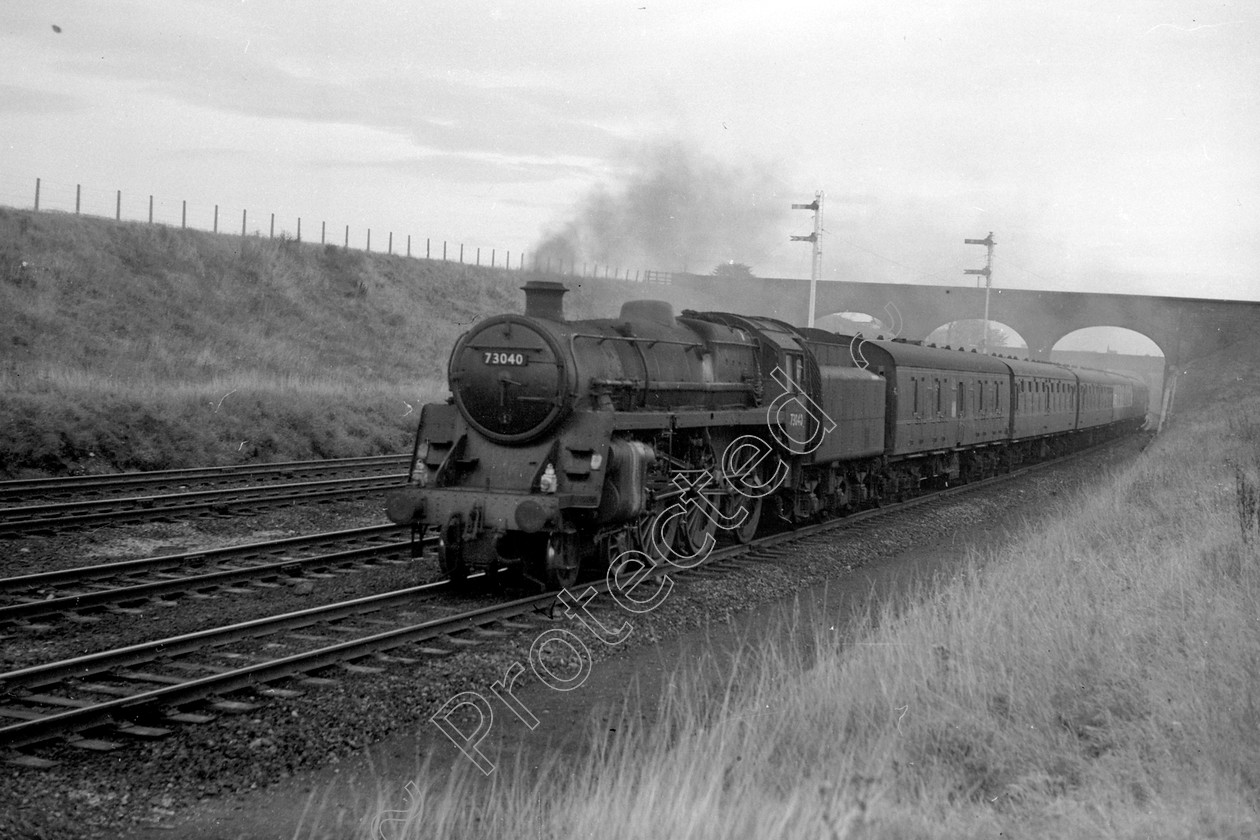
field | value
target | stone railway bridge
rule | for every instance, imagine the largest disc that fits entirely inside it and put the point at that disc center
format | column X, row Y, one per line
column 1184, row 328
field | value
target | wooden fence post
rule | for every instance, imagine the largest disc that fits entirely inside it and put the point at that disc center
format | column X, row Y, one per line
column 347, row 236
column 36, row 195
column 150, row 209
column 118, row 207
column 390, row 248
column 369, row 240
column 216, row 217
column 183, row 215
column 272, row 233
column 77, row 189
column 299, row 236
column 461, row 253
column 243, row 214
column 322, row 226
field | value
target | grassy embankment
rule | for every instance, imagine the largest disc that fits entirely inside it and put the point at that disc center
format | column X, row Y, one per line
column 1099, row 678
column 129, row 346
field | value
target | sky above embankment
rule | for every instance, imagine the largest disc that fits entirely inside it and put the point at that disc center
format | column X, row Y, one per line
column 1108, row 146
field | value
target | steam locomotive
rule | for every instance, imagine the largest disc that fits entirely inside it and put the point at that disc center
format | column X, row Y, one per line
column 564, row 441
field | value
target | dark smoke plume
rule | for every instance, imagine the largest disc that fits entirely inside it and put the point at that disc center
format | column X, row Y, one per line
column 677, row 210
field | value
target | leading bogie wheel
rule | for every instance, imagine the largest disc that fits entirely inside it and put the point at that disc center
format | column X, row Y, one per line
column 450, row 551
column 561, row 560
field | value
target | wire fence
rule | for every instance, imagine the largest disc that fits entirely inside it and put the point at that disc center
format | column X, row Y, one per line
column 61, row 197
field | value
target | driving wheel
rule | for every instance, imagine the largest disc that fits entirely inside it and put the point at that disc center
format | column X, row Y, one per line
column 732, row 504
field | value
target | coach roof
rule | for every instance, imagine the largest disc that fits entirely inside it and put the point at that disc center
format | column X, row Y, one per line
column 905, row 354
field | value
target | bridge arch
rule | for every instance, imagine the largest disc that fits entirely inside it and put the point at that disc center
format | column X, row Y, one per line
column 969, row 333
column 1112, row 347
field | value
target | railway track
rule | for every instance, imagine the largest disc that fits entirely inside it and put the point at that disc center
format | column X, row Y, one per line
column 68, row 488
column 141, row 690
column 55, row 516
column 130, row 585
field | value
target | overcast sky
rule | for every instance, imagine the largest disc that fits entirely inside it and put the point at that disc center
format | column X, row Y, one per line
column 1108, row 145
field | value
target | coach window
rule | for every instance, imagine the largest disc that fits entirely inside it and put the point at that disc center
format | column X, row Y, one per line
column 939, row 406
column 962, row 399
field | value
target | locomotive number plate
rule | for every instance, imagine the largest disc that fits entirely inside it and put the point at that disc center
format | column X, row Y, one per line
column 513, row 358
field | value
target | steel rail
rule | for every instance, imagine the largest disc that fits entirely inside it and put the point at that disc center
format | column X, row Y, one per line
column 81, row 484
column 36, row 676
column 27, row 732
column 74, row 514
column 196, row 557
column 292, row 567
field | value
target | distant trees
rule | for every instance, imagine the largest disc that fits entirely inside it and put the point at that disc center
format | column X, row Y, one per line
column 733, row 271
column 970, row 333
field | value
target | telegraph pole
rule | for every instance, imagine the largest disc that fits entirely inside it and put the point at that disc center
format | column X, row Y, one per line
column 987, row 272
column 815, row 270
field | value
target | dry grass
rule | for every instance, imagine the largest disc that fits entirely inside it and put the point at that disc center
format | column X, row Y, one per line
column 117, row 337
column 1100, row 678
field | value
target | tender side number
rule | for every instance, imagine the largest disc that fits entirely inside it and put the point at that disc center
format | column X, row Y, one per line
column 503, row 357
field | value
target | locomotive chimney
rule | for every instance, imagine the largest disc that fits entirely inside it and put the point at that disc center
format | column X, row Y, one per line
column 543, row 299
